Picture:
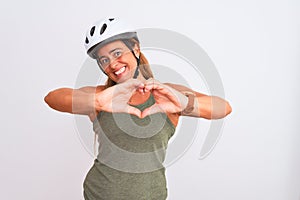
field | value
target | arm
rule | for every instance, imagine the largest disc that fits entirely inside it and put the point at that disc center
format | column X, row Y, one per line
column 91, row 100
column 75, row 101
column 208, row 107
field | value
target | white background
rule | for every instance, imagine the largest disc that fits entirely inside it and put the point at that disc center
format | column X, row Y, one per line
column 255, row 46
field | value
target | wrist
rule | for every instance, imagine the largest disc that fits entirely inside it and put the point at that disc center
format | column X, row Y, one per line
column 190, row 103
column 97, row 102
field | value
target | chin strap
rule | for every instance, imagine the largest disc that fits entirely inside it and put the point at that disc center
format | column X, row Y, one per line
column 136, row 73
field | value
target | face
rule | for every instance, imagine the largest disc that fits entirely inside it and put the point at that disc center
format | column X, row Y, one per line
column 117, row 60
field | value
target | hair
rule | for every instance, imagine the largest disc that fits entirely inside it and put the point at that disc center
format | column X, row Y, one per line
column 144, row 66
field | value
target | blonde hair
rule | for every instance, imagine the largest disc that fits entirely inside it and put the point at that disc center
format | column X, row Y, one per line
column 144, row 66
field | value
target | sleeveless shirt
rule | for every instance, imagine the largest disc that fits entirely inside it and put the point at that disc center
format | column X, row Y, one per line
column 129, row 165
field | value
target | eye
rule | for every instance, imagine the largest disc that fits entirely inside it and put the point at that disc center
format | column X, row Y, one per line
column 104, row 61
column 117, row 53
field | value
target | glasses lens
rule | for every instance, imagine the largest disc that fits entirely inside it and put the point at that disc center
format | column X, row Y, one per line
column 104, row 62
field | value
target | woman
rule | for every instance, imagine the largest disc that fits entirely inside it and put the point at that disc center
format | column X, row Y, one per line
column 133, row 115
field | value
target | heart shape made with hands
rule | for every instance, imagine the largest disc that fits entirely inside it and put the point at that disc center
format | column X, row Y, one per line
column 115, row 99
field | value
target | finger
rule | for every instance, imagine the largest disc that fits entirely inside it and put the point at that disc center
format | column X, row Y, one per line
column 133, row 111
column 141, row 87
column 151, row 110
column 133, row 84
column 153, row 86
column 171, row 94
column 141, row 90
column 129, row 87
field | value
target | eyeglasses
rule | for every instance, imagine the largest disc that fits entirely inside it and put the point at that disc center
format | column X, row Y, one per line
column 105, row 61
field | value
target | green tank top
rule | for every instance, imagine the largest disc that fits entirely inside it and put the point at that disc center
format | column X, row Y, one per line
column 130, row 157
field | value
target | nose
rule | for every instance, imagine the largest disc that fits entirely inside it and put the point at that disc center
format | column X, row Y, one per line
column 114, row 63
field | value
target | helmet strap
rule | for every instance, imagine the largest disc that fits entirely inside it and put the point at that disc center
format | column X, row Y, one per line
column 136, row 73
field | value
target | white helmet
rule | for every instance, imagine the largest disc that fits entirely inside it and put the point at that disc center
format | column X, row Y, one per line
column 105, row 31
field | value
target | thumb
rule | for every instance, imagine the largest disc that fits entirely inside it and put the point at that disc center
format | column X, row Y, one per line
column 133, row 111
column 151, row 110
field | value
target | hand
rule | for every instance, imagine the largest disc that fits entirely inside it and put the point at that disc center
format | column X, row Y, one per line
column 167, row 99
column 115, row 98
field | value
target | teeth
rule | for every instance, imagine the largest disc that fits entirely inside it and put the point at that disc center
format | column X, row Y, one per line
column 120, row 71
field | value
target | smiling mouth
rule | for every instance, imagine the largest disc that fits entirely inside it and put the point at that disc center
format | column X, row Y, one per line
column 120, row 71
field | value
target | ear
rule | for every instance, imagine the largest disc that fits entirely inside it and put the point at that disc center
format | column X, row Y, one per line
column 136, row 50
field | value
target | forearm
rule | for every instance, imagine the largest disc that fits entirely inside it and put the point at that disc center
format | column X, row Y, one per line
column 210, row 107
column 71, row 101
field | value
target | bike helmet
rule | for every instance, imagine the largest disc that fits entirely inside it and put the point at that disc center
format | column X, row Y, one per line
column 106, row 31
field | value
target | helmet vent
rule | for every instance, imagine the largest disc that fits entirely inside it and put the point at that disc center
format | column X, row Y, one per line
column 92, row 30
column 86, row 40
column 103, row 28
column 111, row 19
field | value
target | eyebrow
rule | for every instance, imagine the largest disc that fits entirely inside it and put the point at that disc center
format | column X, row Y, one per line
column 111, row 51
